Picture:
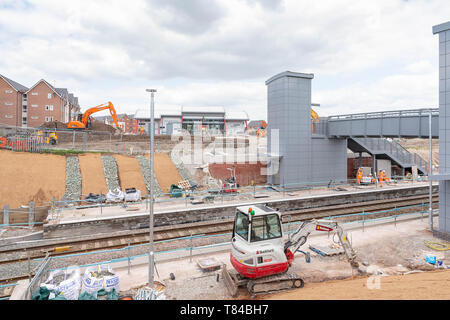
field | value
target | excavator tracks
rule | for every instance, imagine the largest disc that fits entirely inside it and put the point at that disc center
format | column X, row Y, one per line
column 276, row 283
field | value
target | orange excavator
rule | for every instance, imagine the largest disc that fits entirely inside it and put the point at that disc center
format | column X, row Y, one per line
column 315, row 118
column 84, row 119
column 261, row 132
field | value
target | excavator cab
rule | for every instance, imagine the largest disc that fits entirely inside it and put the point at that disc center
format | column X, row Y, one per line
column 257, row 242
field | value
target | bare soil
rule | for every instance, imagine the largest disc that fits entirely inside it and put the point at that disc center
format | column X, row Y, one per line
column 166, row 172
column 29, row 177
column 422, row 148
column 432, row 285
column 130, row 175
column 92, row 174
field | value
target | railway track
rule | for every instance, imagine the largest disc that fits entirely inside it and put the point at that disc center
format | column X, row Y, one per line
column 66, row 246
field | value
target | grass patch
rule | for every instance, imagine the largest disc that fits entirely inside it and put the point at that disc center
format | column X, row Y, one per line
column 67, row 152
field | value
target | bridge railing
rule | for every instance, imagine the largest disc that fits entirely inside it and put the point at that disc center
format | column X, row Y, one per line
column 386, row 114
column 394, row 149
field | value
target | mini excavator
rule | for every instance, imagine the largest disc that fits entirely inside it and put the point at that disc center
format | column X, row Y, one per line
column 260, row 256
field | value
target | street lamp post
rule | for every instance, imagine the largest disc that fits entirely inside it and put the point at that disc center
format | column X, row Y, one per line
column 430, row 173
column 151, row 259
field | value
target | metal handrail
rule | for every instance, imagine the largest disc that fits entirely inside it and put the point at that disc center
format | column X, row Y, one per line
column 386, row 114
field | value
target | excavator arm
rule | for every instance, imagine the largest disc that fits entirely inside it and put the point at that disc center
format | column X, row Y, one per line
column 98, row 108
column 300, row 236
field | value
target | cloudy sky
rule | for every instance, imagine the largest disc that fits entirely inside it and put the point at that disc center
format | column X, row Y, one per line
column 365, row 55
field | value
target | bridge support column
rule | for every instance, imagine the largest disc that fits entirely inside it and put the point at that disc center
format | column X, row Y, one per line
column 444, row 130
column 374, row 165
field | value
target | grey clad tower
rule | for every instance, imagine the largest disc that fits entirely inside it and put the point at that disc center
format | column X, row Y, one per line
column 289, row 112
column 303, row 157
column 444, row 127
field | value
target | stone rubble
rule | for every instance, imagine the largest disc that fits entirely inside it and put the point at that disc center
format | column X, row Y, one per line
column 144, row 163
column 73, row 179
column 110, row 170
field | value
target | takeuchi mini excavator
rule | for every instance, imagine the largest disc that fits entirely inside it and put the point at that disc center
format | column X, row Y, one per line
column 84, row 119
column 262, row 258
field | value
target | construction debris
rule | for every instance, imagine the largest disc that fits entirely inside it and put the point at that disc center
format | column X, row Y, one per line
column 150, row 294
column 131, row 194
column 209, row 264
column 326, row 251
column 100, row 277
column 115, row 195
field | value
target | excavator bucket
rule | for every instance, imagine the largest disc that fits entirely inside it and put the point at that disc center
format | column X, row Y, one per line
column 231, row 282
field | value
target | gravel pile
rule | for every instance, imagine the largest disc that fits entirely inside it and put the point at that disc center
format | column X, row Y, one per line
column 110, row 169
column 144, row 163
column 184, row 173
column 73, row 179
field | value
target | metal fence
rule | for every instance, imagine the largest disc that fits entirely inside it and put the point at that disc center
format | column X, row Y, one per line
column 38, row 278
column 21, row 140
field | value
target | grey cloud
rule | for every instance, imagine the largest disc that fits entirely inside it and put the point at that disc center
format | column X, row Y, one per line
column 187, row 17
column 270, row 4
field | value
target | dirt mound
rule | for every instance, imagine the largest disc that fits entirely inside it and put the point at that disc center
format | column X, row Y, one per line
column 95, row 126
column 100, row 126
column 426, row 285
column 30, row 177
column 54, row 124
column 39, row 197
column 130, row 174
column 92, row 175
column 166, row 172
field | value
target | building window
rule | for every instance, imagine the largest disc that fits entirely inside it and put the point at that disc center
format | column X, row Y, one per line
column 8, row 91
column 8, row 103
column 48, row 119
column 34, row 93
column 49, row 108
column 34, row 106
column 34, row 118
column 8, row 116
column 49, row 95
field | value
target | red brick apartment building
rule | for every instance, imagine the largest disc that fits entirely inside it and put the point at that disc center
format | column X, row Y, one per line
column 20, row 106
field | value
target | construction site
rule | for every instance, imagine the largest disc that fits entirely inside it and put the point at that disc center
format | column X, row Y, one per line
column 298, row 207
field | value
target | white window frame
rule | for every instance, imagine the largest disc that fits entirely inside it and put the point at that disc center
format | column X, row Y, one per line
column 34, row 93
column 34, row 106
column 8, row 103
column 34, row 118
column 49, row 95
column 8, row 116
column 48, row 119
column 8, row 91
column 49, row 108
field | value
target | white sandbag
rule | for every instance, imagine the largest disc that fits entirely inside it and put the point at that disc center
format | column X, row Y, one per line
column 69, row 287
column 100, row 277
column 133, row 196
column 115, row 195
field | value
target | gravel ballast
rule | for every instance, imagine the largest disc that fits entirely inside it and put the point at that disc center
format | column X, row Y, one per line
column 73, row 179
column 110, row 170
column 144, row 163
column 184, row 173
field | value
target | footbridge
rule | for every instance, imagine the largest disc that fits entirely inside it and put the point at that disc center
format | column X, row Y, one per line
column 373, row 132
column 392, row 124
